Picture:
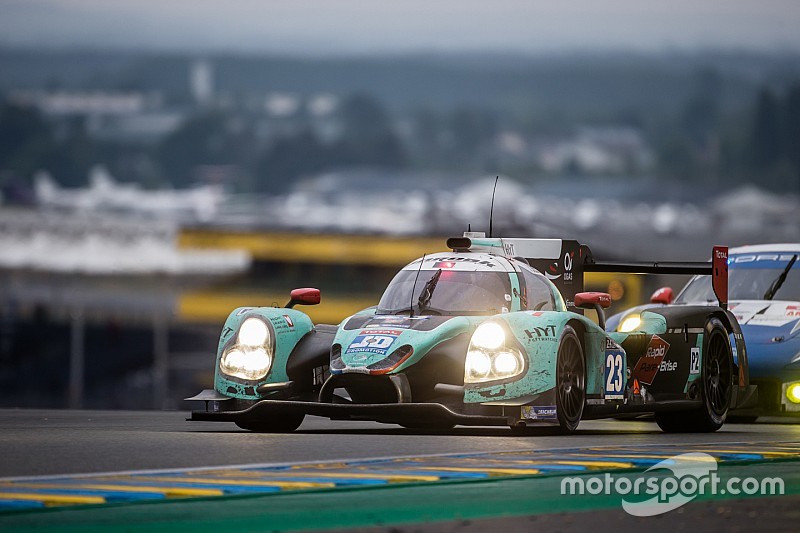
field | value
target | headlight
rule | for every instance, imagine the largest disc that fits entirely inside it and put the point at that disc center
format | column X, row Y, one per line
column 478, row 366
column 253, row 332
column 489, row 335
column 630, row 323
column 793, row 392
column 251, row 357
column 489, row 358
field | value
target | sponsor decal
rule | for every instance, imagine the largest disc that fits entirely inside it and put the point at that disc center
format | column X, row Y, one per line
column 667, row 366
column 649, row 364
column 753, row 258
column 377, row 341
column 553, row 271
column 462, row 259
column 694, row 363
column 539, row 412
column 288, row 320
column 546, row 332
column 614, row 371
column 793, row 310
column 508, row 248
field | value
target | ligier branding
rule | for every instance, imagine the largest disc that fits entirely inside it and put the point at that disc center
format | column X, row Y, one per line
column 793, row 310
column 650, row 363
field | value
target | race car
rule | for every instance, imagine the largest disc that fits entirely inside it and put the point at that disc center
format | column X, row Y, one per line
column 765, row 298
column 479, row 336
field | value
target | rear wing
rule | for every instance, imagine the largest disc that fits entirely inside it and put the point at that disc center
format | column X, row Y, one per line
column 717, row 269
column 564, row 263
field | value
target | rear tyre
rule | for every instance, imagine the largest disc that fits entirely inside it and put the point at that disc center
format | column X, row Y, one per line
column 283, row 424
column 570, row 381
column 716, row 383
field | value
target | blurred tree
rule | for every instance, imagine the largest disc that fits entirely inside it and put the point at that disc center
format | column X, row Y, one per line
column 201, row 140
column 367, row 136
column 766, row 133
column 24, row 139
column 289, row 158
column 791, row 145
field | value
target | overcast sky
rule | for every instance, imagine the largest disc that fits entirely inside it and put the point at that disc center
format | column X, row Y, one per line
column 373, row 26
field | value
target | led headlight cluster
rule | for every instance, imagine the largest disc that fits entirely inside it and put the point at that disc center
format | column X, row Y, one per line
column 490, row 356
column 630, row 323
column 793, row 392
column 251, row 356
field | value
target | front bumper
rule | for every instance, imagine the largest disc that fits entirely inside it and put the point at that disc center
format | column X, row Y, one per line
column 431, row 414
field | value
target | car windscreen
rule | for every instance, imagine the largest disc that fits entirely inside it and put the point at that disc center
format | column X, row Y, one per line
column 447, row 292
column 747, row 280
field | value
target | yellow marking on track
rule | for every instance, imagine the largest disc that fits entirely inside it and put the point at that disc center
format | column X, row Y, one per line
column 51, row 499
column 392, row 478
column 587, row 462
column 501, row 471
column 242, row 482
column 595, row 464
column 751, row 452
column 170, row 492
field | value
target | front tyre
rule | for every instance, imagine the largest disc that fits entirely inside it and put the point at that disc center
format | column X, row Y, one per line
column 570, row 381
column 286, row 423
column 716, row 383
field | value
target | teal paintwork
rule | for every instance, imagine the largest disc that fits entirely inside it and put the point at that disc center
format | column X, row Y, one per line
column 288, row 326
column 421, row 341
column 538, row 334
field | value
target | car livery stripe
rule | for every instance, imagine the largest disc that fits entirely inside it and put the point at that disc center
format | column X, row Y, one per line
column 32, row 493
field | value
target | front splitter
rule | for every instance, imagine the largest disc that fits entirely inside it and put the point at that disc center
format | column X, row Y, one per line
column 427, row 414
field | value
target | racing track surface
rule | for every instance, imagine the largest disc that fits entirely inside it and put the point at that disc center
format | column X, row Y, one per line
column 54, row 443
column 36, row 442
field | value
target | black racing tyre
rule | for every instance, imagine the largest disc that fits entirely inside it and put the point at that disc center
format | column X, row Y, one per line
column 570, row 381
column 716, row 387
column 286, row 423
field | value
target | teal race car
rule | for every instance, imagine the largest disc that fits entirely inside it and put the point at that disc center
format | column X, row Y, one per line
column 489, row 333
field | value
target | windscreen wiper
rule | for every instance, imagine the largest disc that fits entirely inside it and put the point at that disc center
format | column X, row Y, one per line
column 779, row 281
column 427, row 291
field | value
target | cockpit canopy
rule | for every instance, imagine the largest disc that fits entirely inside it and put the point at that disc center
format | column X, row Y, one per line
column 466, row 284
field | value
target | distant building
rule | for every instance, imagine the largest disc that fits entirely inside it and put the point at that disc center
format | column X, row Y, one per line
column 201, row 82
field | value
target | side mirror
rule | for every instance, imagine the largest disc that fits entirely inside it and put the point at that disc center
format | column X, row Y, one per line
column 594, row 300
column 664, row 295
column 303, row 297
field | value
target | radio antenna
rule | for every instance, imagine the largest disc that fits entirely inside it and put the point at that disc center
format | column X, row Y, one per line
column 491, row 209
column 414, row 288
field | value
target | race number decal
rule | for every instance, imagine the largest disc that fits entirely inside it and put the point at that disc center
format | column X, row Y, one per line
column 373, row 341
column 615, row 372
column 694, row 366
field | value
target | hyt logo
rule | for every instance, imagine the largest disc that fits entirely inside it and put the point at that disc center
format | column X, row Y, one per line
column 546, row 331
